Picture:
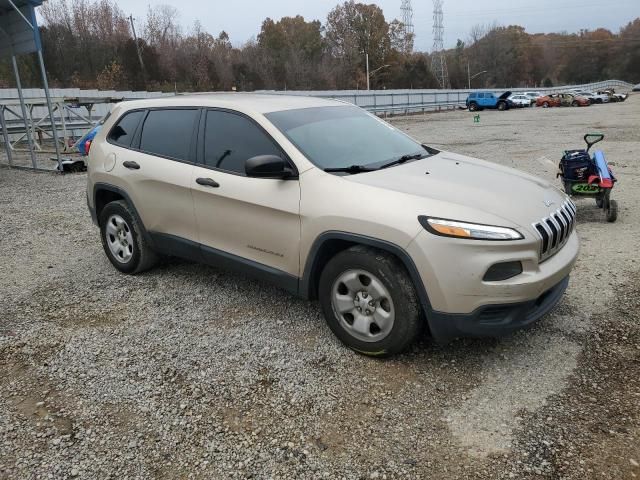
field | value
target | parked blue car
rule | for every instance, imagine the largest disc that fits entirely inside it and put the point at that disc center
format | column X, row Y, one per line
column 481, row 100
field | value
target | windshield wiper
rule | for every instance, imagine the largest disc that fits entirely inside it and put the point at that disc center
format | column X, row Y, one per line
column 402, row 159
column 350, row 169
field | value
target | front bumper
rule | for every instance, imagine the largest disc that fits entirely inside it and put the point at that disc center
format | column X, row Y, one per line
column 461, row 303
column 452, row 271
column 494, row 320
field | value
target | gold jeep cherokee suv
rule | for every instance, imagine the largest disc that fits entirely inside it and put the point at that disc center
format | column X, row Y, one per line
column 331, row 203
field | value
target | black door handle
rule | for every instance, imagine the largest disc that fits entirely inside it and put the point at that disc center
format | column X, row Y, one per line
column 207, row 182
column 131, row 165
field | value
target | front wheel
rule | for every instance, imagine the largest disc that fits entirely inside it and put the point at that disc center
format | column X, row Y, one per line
column 575, row 104
column 473, row 107
column 369, row 301
column 502, row 106
column 545, row 105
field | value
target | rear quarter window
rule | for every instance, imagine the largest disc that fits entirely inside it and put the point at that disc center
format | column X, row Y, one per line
column 123, row 131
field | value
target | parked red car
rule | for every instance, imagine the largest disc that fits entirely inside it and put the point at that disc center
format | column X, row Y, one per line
column 548, row 101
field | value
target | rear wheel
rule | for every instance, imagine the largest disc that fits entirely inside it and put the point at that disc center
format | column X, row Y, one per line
column 545, row 105
column 122, row 239
column 575, row 103
column 369, row 301
column 473, row 107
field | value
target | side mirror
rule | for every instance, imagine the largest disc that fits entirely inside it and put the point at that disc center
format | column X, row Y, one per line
column 267, row 166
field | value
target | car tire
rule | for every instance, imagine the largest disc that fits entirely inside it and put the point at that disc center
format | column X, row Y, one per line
column 122, row 239
column 370, row 302
column 502, row 106
column 473, row 107
column 545, row 105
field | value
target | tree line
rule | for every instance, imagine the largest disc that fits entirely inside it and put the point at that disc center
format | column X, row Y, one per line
column 90, row 44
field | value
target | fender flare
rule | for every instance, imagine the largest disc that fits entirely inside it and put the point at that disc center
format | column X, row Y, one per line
column 112, row 188
column 312, row 263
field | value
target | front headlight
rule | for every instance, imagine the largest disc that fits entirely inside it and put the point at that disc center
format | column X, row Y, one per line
column 473, row 231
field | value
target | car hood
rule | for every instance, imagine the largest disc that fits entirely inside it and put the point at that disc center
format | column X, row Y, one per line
column 505, row 95
column 449, row 179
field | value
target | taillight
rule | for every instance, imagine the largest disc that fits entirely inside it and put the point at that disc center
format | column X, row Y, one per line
column 87, row 147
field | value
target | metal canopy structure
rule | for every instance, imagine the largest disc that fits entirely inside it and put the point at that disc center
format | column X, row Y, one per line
column 20, row 35
column 67, row 110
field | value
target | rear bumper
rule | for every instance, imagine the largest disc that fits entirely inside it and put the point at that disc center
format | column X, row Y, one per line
column 494, row 320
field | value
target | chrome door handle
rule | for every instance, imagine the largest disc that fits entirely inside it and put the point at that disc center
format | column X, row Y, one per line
column 207, row 182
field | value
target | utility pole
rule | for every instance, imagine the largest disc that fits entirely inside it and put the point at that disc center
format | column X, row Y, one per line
column 407, row 22
column 366, row 56
column 438, row 59
column 135, row 38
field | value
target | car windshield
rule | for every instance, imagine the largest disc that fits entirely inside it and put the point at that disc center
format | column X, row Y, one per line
column 343, row 136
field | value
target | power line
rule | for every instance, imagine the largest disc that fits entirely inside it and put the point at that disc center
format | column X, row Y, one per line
column 525, row 10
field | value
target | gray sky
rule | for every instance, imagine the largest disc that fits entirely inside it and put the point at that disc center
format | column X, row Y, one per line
column 242, row 18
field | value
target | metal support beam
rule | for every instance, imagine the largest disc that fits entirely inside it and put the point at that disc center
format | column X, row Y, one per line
column 5, row 135
column 21, row 14
column 34, row 162
column 50, row 108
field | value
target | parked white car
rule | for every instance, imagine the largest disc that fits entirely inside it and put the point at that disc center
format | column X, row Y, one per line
column 519, row 100
column 533, row 96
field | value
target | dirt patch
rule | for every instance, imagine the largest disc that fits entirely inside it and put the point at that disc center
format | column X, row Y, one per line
column 592, row 428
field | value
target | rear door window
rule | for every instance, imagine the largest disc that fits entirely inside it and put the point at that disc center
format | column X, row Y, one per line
column 169, row 133
column 122, row 133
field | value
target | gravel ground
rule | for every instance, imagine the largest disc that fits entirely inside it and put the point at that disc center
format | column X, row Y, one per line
column 175, row 374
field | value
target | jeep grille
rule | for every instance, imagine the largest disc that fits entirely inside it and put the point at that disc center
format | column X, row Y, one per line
column 554, row 230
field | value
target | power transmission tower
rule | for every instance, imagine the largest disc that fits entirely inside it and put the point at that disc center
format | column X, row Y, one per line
column 407, row 21
column 438, row 59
